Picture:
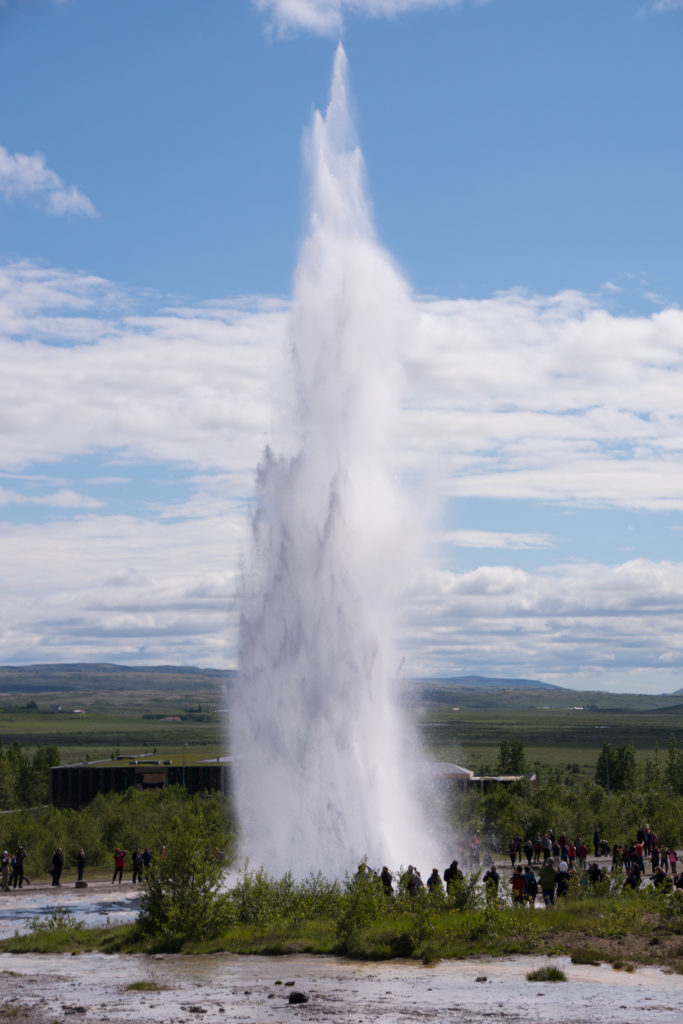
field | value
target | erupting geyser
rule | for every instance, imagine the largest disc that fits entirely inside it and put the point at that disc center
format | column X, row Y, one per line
column 323, row 772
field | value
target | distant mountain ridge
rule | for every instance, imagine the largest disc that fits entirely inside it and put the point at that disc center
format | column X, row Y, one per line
column 493, row 683
column 106, row 667
column 36, row 676
column 82, row 676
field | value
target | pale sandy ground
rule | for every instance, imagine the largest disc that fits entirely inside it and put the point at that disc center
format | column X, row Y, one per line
column 92, row 987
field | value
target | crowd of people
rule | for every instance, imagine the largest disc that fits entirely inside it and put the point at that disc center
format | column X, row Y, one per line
column 140, row 862
column 412, row 879
column 558, row 858
column 551, row 864
column 14, row 876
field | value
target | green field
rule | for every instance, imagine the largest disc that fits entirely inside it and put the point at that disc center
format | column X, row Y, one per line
column 562, row 730
column 123, row 711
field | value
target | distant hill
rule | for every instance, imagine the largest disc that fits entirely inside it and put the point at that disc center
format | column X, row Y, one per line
column 486, row 683
column 84, row 676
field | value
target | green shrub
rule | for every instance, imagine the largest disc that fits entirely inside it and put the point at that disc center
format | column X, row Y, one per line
column 547, row 974
column 61, row 919
column 181, row 897
column 362, row 902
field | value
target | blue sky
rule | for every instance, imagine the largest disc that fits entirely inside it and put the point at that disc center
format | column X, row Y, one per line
column 524, row 162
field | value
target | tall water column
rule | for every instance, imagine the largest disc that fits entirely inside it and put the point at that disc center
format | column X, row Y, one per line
column 325, row 768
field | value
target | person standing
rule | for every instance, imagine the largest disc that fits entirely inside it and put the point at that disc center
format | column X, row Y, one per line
column 413, row 880
column 563, row 877
column 119, row 864
column 518, row 847
column 555, row 849
column 6, row 865
column 546, row 845
column 18, row 873
column 530, row 886
column 57, row 865
column 518, row 883
column 581, row 853
column 452, row 874
column 137, row 865
column 434, row 882
column 80, row 863
column 548, row 876
column 491, row 882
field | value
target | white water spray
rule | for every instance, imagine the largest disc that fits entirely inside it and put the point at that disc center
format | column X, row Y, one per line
column 324, row 774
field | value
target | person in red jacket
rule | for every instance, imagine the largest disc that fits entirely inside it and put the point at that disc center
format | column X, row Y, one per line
column 518, row 882
column 119, row 864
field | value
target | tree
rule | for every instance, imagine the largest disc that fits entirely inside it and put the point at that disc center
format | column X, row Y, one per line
column 511, row 758
column 674, row 767
column 616, row 768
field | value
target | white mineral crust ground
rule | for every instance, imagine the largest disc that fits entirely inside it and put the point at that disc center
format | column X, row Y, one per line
column 222, row 987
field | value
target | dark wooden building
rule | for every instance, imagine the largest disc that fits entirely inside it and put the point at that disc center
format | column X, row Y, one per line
column 75, row 785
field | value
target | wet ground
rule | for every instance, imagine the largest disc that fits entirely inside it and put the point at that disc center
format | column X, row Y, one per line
column 93, row 987
column 100, row 903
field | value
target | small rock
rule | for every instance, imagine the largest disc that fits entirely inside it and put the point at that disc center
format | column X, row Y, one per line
column 290, row 983
column 298, row 997
column 482, row 977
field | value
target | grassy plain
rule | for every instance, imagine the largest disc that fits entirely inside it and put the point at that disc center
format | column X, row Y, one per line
column 122, row 710
column 562, row 730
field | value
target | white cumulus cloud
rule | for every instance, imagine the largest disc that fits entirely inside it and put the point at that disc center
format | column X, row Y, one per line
column 23, row 176
column 326, row 17
column 544, row 399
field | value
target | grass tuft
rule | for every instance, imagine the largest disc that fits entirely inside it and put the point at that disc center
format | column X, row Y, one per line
column 547, row 974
